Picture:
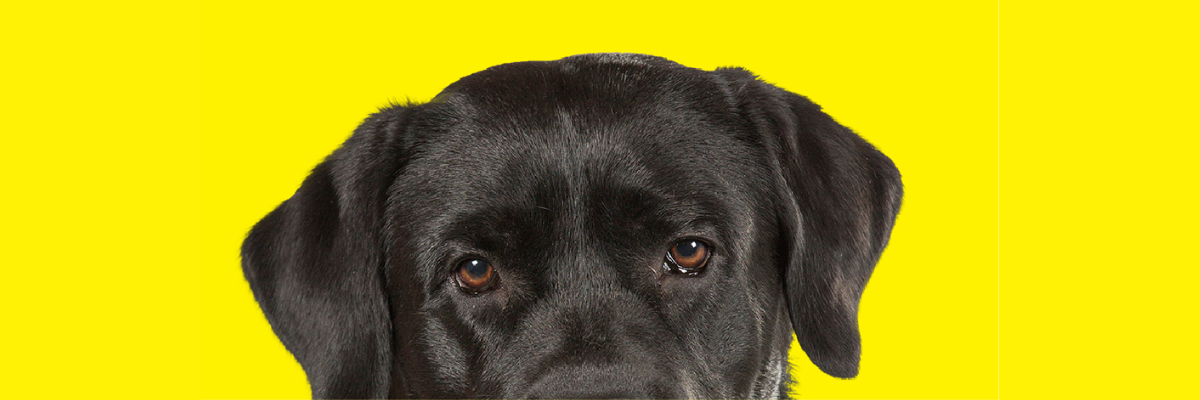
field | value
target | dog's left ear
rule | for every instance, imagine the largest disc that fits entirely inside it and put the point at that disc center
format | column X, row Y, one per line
column 838, row 200
column 315, row 264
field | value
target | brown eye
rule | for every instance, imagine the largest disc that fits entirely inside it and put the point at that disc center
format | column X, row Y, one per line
column 687, row 257
column 476, row 275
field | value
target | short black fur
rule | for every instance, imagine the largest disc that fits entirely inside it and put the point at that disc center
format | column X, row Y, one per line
column 573, row 178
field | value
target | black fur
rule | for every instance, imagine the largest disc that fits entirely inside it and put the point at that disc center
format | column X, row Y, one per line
column 574, row 177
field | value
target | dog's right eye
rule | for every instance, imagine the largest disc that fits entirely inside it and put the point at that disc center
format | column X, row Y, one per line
column 475, row 276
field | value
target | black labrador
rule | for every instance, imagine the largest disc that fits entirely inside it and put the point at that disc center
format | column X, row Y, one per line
column 601, row 226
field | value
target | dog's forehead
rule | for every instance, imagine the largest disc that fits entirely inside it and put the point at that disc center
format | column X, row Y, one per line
column 598, row 88
column 587, row 68
column 597, row 104
column 623, row 115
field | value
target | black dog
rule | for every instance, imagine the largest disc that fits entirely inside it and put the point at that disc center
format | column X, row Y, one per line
column 606, row 225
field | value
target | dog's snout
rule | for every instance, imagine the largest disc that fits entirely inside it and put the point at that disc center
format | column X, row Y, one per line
column 601, row 348
column 612, row 381
column 589, row 338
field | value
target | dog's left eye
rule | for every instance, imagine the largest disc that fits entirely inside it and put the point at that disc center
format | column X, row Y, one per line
column 476, row 276
column 687, row 257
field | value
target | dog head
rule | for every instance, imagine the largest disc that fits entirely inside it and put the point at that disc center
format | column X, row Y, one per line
column 598, row 226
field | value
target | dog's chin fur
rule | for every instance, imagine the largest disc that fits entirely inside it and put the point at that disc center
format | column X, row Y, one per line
column 573, row 178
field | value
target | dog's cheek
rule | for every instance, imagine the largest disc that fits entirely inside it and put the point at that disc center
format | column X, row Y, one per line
column 447, row 357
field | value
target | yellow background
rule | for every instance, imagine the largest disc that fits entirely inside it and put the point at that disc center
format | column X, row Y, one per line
column 141, row 141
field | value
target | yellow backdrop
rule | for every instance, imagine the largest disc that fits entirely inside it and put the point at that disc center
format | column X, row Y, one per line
column 142, row 141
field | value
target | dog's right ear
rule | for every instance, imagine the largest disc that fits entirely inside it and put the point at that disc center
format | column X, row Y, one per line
column 315, row 264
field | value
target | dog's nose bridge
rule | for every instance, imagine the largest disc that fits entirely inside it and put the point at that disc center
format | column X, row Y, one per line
column 602, row 350
column 613, row 327
column 591, row 335
column 612, row 381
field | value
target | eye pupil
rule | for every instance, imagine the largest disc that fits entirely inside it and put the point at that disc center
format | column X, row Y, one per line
column 476, row 267
column 687, row 250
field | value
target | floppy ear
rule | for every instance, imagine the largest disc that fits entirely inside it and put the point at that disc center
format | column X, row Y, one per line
column 315, row 265
column 839, row 200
